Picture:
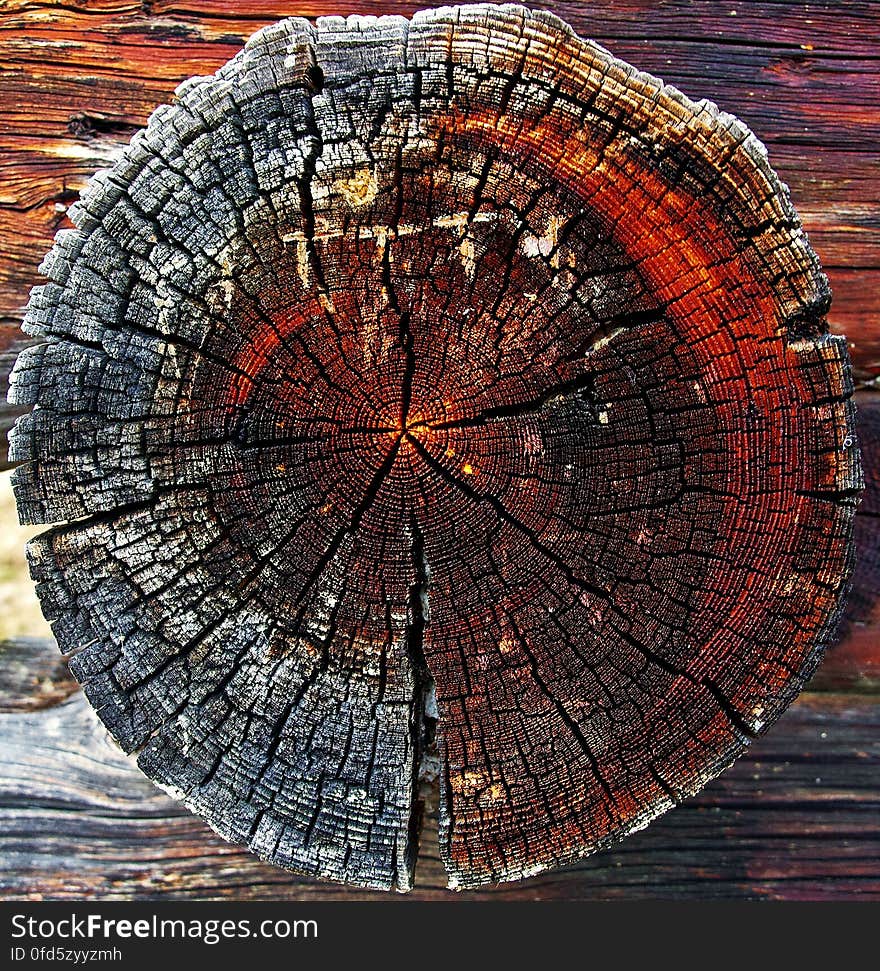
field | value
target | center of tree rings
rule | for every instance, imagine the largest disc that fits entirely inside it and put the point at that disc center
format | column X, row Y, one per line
column 436, row 400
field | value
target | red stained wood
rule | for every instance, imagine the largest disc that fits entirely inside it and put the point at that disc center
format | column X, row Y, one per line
column 488, row 420
column 78, row 78
column 113, row 63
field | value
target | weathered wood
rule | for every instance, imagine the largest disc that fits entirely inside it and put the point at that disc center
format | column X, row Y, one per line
column 436, row 376
column 855, row 662
column 795, row 818
column 35, row 675
column 805, row 79
column 12, row 340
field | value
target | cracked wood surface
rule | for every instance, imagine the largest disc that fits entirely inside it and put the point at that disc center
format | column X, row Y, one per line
column 357, row 189
column 798, row 817
column 79, row 78
column 436, row 396
column 795, row 818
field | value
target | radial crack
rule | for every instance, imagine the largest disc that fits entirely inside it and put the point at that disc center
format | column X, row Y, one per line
column 583, row 382
column 723, row 704
column 425, row 716
column 485, row 227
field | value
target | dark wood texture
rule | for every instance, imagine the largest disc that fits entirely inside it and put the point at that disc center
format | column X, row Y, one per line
column 77, row 819
column 436, row 397
column 825, row 153
column 795, row 818
column 77, row 79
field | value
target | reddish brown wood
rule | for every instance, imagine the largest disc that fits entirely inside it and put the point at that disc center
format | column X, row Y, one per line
column 77, row 78
column 795, row 819
column 448, row 377
column 855, row 661
column 803, row 78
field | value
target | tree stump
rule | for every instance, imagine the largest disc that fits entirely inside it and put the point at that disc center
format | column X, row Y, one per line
column 442, row 398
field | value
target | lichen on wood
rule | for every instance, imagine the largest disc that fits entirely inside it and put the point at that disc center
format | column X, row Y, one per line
column 436, row 392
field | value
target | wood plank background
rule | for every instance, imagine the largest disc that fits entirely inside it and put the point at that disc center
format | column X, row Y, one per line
column 799, row 816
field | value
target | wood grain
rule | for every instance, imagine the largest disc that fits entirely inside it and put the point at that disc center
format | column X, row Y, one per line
column 436, row 396
column 79, row 78
column 101, row 831
column 795, row 819
column 855, row 661
column 35, row 675
column 806, row 81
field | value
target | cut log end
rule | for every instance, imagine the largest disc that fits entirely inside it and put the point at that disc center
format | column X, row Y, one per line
column 440, row 398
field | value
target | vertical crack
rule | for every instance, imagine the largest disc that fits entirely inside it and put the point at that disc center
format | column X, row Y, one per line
column 314, row 84
column 405, row 334
column 425, row 715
